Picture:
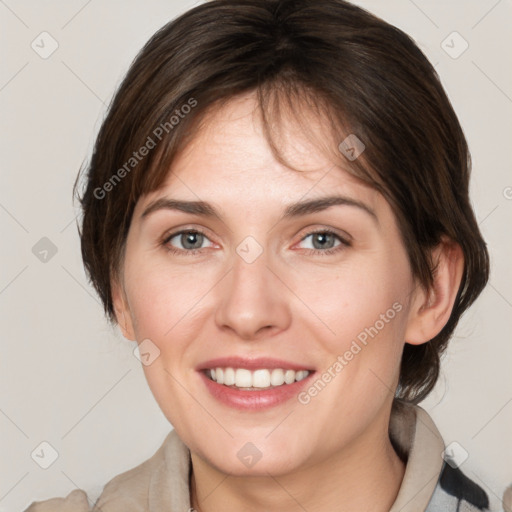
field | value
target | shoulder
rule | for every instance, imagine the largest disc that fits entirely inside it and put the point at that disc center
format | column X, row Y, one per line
column 455, row 489
column 454, row 482
column 160, row 482
column 129, row 490
column 76, row 501
column 125, row 492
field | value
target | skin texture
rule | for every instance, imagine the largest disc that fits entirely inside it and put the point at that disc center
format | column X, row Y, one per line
column 293, row 302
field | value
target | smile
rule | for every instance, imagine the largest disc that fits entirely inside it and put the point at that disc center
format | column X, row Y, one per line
column 242, row 378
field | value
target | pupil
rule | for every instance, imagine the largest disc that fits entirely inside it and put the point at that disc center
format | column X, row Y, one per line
column 323, row 238
column 189, row 238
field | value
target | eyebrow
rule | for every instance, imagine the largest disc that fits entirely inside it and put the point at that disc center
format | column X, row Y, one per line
column 298, row 209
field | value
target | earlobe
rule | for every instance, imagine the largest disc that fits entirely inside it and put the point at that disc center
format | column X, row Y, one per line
column 431, row 311
column 122, row 311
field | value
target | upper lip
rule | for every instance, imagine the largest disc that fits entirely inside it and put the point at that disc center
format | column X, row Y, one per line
column 251, row 364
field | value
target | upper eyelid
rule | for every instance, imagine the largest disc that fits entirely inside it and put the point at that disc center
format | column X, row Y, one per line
column 172, row 233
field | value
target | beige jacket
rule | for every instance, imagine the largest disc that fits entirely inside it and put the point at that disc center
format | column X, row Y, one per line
column 161, row 483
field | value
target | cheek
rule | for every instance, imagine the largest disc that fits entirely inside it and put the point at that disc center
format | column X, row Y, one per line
column 355, row 296
column 164, row 303
column 363, row 313
column 161, row 298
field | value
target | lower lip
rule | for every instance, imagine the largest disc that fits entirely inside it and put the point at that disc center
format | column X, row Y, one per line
column 254, row 400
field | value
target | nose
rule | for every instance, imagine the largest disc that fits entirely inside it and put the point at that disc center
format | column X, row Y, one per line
column 254, row 301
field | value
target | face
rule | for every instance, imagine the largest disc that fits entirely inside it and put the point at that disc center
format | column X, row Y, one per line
column 266, row 286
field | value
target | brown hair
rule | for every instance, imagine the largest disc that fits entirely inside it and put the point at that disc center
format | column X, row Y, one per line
column 358, row 72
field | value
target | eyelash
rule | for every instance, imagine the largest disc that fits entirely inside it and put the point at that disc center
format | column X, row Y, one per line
column 343, row 245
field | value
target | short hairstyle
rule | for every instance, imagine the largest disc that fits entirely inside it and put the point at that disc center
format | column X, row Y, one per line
column 357, row 72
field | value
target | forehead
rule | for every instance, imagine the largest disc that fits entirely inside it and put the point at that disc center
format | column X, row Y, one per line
column 229, row 158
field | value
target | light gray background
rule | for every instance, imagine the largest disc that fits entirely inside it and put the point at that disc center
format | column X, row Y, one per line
column 66, row 377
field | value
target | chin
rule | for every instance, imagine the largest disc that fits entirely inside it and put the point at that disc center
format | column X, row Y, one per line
column 249, row 458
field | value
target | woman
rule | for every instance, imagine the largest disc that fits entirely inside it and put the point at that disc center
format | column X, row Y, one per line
column 277, row 211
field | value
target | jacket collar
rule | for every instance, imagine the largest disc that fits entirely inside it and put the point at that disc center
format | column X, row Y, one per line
column 412, row 432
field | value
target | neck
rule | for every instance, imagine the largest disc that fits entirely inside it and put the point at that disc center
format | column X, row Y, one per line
column 368, row 478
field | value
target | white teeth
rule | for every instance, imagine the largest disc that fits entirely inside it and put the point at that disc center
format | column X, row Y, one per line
column 229, row 376
column 243, row 378
column 302, row 374
column 289, row 376
column 277, row 377
column 258, row 379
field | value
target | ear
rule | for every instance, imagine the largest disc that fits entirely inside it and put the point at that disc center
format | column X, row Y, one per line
column 122, row 310
column 431, row 311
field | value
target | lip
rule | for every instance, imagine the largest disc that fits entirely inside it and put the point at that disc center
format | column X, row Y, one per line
column 259, row 363
column 254, row 400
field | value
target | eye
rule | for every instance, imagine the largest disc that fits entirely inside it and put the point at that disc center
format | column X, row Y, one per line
column 191, row 241
column 324, row 242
